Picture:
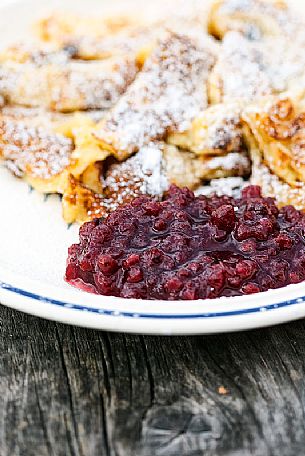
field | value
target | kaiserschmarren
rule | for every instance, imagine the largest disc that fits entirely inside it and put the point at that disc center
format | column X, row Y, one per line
column 103, row 109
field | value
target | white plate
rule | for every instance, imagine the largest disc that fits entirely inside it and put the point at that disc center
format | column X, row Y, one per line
column 33, row 247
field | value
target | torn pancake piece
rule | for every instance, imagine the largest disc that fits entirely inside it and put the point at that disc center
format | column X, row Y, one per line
column 39, row 156
column 137, row 41
column 58, row 121
column 58, row 28
column 87, row 150
column 97, row 39
column 186, row 169
column 217, row 130
column 79, row 203
column 273, row 186
column 247, row 70
column 166, row 96
column 142, row 174
column 239, row 72
column 66, row 86
column 276, row 127
column 45, row 155
column 253, row 18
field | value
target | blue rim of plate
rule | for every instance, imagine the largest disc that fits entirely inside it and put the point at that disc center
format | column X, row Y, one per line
column 115, row 313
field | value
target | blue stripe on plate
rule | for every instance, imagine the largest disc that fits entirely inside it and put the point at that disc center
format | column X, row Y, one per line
column 114, row 313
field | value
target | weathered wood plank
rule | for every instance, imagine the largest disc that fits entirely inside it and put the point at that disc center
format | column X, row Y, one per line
column 70, row 391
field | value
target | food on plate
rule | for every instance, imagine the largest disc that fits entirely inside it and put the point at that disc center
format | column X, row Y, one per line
column 115, row 113
column 190, row 248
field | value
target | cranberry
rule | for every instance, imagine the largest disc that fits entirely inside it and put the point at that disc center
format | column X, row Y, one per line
column 190, row 248
column 173, row 243
column 135, row 275
column 86, row 229
column 152, row 208
column 190, row 292
column 216, row 277
column 132, row 260
column 107, row 264
column 184, row 273
column 104, row 284
column 195, row 267
column 86, row 265
column 248, row 246
column 245, row 231
column 278, row 270
column 154, row 256
column 283, row 241
column 71, row 272
column 224, row 217
column 173, row 285
column 294, row 277
column 291, row 214
column 250, row 288
column 220, row 235
column 235, row 282
column 160, row 225
column 133, row 291
column 168, row 263
column 245, row 269
column 266, row 225
column 127, row 228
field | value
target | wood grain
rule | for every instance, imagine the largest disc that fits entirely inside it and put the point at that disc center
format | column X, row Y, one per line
column 70, row 391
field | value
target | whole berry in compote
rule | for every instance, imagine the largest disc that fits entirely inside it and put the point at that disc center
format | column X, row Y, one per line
column 188, row 247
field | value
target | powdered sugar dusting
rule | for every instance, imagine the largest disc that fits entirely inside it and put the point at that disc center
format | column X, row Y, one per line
column 230, row 161
column 231, row 186
column 35, row 151
column 127, row 41
column 222, row 130
column 233, row 6
column 30, row 52
column 259, row 14
column 91, row 85
column 241, row 69
column 251, row 69
column 168, row 94
column 142, row 174
column 151, row 162
column 68, row 86
column 274, row 187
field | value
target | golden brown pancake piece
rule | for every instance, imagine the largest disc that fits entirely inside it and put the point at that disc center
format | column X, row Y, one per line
column 166, row 96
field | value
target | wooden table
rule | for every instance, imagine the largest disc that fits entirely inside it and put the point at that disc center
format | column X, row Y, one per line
column 69, row 391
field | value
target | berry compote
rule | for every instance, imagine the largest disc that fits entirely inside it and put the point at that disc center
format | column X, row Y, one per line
column 188, row 247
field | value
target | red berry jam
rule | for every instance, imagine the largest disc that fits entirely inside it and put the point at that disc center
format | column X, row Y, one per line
column 188, row 247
